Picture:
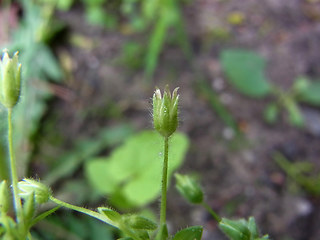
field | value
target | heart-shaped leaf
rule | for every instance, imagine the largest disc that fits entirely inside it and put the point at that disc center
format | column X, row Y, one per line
column 246, row 71
column 133, row 170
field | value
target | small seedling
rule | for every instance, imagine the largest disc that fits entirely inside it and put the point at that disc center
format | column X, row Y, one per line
column 245, row 70
column 301, row 172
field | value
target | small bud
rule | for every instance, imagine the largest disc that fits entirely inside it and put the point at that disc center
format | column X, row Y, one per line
column 4, row 198
column 165, row 111
column 29, row 186
column 189, row 188
column 10, row 78
column 236, row 230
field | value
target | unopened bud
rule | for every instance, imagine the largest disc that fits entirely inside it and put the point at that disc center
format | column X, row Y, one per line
column 10, row 79
column 189, row 188
column 165, row 111
column 236, row 230
column 29, row 186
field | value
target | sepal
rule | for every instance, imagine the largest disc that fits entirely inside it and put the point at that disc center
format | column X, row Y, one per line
column 41, row 192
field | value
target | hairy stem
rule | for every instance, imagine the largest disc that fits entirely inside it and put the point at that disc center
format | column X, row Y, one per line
column 14, row 175
column 82, row 210
column 163, row 208
column 96, row 215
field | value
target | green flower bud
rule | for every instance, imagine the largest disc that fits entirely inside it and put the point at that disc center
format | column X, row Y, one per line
column 189, row 188
column 235, row 230
column 165, row 111
column 4, row 198
column 10, row 78
column 29, row 186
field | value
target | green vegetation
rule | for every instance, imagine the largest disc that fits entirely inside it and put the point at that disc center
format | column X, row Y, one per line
column 152, row 20
column 301, row 172
column 110, row 164
column 246, row 72
column 129, row 176
column 125, row 169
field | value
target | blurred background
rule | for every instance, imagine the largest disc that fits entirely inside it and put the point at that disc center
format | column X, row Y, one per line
column 248, row 73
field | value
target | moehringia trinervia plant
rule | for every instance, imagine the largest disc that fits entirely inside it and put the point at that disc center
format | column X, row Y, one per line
column 28, row 194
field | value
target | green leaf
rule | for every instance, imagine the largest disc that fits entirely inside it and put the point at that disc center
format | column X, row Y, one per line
column 95, row 15
column 64, row 4
column 295, row 116
column 134, row 168
column 311, row 93
column 149, row 9
column 156, row 43
column 246, row 71
column 191, row 233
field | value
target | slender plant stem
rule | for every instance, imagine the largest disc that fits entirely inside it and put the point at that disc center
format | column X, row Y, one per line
column 94, row 214
column 163, row 208
column 213, row 213
column 14, row 175
column 82, row 210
